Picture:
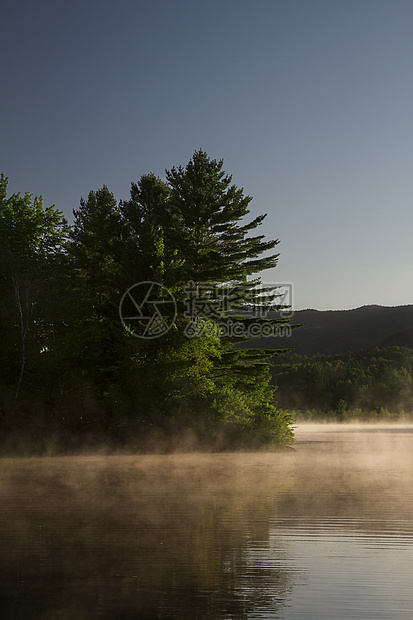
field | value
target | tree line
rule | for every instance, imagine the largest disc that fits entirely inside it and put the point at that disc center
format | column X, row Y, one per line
column 69, row 363
column 376, row 383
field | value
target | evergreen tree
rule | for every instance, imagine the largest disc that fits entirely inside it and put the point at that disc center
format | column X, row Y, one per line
column 92, row 340
column 145, row 252
column 97, row 247
column 203, row 220
column 198, row 214
column 60, row 308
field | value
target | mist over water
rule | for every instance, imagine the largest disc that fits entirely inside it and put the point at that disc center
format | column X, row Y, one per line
column 322, row 532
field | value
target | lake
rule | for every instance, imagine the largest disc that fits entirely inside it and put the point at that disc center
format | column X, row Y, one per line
column 322, row 532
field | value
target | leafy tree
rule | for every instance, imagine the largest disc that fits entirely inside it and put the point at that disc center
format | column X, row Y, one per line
column 362, row 383
column 31, row 239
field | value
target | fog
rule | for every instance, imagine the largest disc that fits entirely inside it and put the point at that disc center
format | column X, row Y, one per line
column 124, row 535
column 350, row 462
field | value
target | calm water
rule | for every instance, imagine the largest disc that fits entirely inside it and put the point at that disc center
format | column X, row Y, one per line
column 323, row 532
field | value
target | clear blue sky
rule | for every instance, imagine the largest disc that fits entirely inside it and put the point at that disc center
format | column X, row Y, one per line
column 309, row 102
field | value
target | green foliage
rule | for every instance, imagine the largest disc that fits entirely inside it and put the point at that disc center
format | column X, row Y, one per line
column 244, row 419
column 86, row 370
column 147, row 256
column 370, row 382
column 188, row 230
column 203, row 216
column 32, row 240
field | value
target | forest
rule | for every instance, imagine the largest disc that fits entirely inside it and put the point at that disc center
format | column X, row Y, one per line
column 365, row 384
column 73, row 371
column 136, row 326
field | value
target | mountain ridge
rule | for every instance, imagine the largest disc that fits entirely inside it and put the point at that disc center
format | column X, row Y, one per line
column 332, row 332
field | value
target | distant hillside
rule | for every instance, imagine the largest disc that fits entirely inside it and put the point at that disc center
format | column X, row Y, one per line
column 400, row 339
column 337, row 331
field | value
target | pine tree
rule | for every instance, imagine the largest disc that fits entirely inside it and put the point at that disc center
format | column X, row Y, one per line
column 92, row 340
column 199, row 213
column 203, row 218
column 147, row 257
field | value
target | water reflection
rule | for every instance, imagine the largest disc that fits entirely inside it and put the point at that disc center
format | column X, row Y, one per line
column 309, row 534
column 124, row 537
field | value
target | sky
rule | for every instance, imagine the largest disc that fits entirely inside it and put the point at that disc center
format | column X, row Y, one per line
column 308, row 102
